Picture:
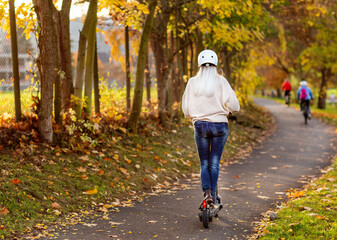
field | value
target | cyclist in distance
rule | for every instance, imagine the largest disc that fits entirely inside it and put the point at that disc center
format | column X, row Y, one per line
column 304, row 94
column 286, row 87
column 208, row 100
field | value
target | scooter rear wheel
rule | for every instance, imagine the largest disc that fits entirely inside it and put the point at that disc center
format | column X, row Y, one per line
column 205, row 217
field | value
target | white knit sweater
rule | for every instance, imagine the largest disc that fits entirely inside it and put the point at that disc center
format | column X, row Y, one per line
column 210, row 109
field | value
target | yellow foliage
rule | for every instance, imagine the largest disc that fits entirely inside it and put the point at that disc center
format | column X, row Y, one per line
column 25, row 17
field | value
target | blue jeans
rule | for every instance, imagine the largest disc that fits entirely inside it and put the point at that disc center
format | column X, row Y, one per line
column 210, row 138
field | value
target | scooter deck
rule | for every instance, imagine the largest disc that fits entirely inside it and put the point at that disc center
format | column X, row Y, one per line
column 216, row 209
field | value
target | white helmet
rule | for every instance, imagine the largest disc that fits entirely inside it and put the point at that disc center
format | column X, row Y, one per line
column 303, row 83
column 207, row 56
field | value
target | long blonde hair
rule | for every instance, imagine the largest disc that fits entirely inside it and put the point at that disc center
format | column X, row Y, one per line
column 206, row 78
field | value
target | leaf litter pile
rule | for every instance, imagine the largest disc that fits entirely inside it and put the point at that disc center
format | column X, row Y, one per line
column 96, row 166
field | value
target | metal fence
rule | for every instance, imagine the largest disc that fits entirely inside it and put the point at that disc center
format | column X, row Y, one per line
column 111, row 71
column 26, row 49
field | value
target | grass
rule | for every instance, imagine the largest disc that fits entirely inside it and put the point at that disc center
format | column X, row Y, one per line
column 119, row 169
column 312, row 213
column 41, row 185
column 312, row 216
column 106, row 94
column 8, row 105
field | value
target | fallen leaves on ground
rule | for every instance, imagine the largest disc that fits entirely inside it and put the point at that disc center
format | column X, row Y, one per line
column 4, row 211
column 92, row 191
column 295, row 194
column 16, row 181
column 55, row 205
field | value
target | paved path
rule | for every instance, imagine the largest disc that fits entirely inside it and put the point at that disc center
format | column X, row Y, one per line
column 286, row 159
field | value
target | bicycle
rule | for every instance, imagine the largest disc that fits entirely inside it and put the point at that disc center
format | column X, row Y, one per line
column 207, row 211
column 287, row 98
column 305, row 106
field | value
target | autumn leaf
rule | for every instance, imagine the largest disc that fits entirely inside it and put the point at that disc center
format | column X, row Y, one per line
column 295, row 194
column 123, row 170
column 82, row 169
column 127, row 160
column 92, row 191
column 152, row 221
column 116, row 157
column 83, row 176
column 116, row 223
column 156, row 157
column 84, row 158
column 263, row 197
column 55, row 205
column 57, row 212
column 16, row 181
column 100, row 172
column 146, row 180
column 4, row 211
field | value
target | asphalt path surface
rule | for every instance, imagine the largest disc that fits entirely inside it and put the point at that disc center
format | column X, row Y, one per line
column 290, row 157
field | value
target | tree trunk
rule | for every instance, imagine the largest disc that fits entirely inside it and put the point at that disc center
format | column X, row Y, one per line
column 59, row 71
column 96, row 82
column 67, row 85
column 15, row 61
column 158, row 45
column 184, row 58
column 199, row 47
column 147, row 79
column 78, row 90
column 57, row 94
column 184, row 72
column 322, row 90
column 227, row 58
column 89, row 63
column 180, row 79
column 161, row 68
column 139, row 85
column 82, row 45
column 172, row 78
column 48, row 63
column 127, row 66
column 191, row 61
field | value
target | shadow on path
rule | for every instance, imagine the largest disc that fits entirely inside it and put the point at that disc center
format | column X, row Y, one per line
column 293, row 154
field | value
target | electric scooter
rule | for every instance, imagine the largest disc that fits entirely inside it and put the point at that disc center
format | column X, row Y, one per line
column 207, row 211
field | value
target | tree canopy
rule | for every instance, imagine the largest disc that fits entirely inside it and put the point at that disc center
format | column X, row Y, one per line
column 259, row 43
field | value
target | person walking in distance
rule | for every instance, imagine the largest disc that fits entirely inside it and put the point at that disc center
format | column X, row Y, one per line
column 286, row 87
column 208, row 100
